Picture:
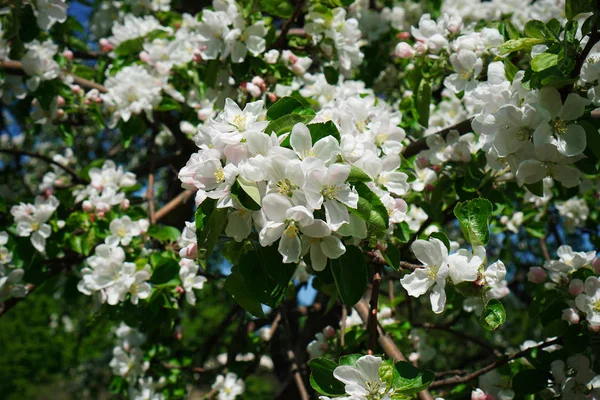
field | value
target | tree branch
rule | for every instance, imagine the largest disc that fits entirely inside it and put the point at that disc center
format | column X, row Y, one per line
column 180, row 199
column 70, row 171
column 459, row 334
column 419, row 145
column 372, row 323
column 281, row 40
column 496, row 364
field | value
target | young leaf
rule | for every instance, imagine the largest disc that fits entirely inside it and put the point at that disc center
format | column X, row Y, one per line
column 283, row 106
column 407, row 379
column 350, row 275
column 370, row 208
column 323, row 129
column 544, row 61
column 493, row 315
column 474, row 217
column 164, row 233
column 423, row 102
column 518, row 44
column 237, row 288
column 358, row 175
column 441, row 236
column 322, row 379
column 207, row 239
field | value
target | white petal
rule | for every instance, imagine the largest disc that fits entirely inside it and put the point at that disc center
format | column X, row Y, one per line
column 336, row 214
column 417, row 283
column 332, row 247
column 275, row 206
column 290, row 248
column 438, row 297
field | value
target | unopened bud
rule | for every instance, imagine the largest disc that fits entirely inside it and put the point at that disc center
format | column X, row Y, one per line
column 328, row 332
column 571, row 316
column 144, row 57
column 536, row 275
column 125, row 204
column 68, row 54
column 87, row 206
column 576, row 287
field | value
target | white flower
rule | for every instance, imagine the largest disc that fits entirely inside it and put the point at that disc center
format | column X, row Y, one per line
column 430, row 34
column 31, row 220
column 212, row 31
column 124, row 229
column 242, row 40
column 424, row 178
column 10, row 283
column 363, row 381
column 131, row 91
column 569, row 260
column 39, row 62
column 233, row 119
column 271, row 56
column 575, row 211
column 322, row 248
column 325, row 149
column 133, row 27
column 190, row 280
column 464, row 265
column 5, row 254
column 384, row 171
column 569, row 138
column 286, row 221
column 328, row 187
column 468, row 67
column 434, row 255
column 229, row 386
column 49, row 12
column 129, row 365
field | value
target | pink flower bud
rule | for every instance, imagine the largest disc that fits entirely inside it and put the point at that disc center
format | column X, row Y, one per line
column 478, row 394
column 101, row 214
column 87, row 101
column 594, row 328
column 87, row 206
column 76, row 88
column 190, row 251
column 68, row 54
column 60, row 101
column 105, row 45
column 429, row 187
column 403, row 35
column 571, row 316
column 260, row 82
column 328, row 332
column 60, row 113
column 124, row 204
column 536, row 275
column 293, row 58
column 272, row 97
column 144, row 57
column 179, row 290
column 576, row 287
column 422, row 162
column 404, row 50
column 596, row 266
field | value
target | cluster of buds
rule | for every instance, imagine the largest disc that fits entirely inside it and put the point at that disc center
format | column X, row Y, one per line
column 255, row 88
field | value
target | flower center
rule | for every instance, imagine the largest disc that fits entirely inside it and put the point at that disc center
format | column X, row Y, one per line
column 35, row 226
column 131, row 97
column 380, row 139
column 432, row 271
column 330, row 192
column 240, row 121
column 596, row 305
column 285, row 187
column 121, row 232
column 373, row 388
column 559, row 126
column 220, row 175
column 524, row 133
column 291, row 231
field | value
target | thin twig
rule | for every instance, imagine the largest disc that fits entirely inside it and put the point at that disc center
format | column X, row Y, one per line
column 419, row 145
column 544, row 249
column 288, row 24
column 16, row 67
column 70, row 171
column 459, row 334
column 372, row 324
column 181, row 198
column 343, row 328
column 294, row 369
column 496, row 364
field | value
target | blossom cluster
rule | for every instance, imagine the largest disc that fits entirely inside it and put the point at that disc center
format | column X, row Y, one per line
column 456, row 268
column 10, row 277
column 32, row 220
column 583, row 296
column 293, row 183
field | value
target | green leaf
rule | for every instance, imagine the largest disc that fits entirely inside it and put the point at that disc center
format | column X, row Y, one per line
column 332, row 75
column 264, row 288
column 408, row 379
column 207, row 239
column 536, row 29
column 237, row 288
column 510, row 70
column 278, row 8
column 423, row 102
column 199, row 219
column 322, row 379
column 530, row 381
column 134, row 127
column 251, row 189
column 164, row 233
column 593, row 137
column 165, row 270
column 392, row 257
column 574, row 7
column 322, row 129
column 402, row 232
column 350, row 359
column 282, row 107
column 513, row 33
column 493, row 315
column 474, row 217
column 441, row 236
column 536, row 188
column 286, row 123
column 370, row 208
column 358, row 175
column 131, row 46
column 247, row 201
column 168, row 104
column 350, row 275
column 544, row 61
column 518, row 44
column 279, row 271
